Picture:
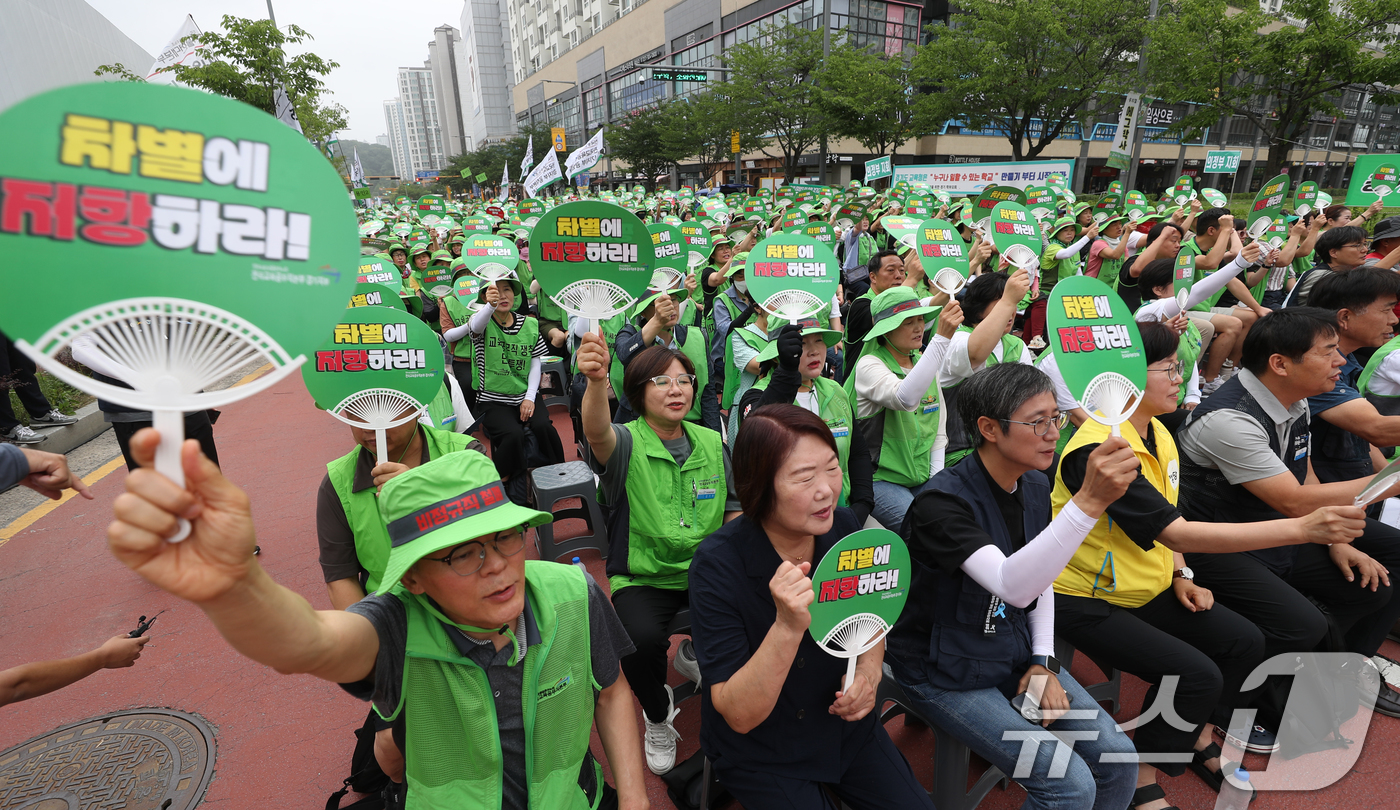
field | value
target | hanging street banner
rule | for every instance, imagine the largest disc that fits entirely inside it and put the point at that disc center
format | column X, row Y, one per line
column 1122, row 150
column 547, row 172
column 1222, row 161
column 585, row 157
column 973, row 178
column 560, row 143
column 878, row 168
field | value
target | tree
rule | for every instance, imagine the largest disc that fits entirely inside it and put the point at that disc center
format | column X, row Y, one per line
column 641, row 141
column 1278, row 72
column 772, row 81
column 868, row 97
column 491, row 158
column 1027, row 67
column 699, row 126
column 249, row 63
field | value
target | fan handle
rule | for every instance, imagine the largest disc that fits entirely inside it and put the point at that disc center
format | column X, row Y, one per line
column 171, row 427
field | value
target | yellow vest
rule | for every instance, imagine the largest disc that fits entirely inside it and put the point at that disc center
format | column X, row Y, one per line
column 1108, row 564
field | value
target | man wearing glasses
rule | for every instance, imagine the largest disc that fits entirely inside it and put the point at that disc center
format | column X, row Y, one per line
column 501, row 666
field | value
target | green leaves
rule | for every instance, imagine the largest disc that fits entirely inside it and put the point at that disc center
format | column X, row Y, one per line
column 866, row 97
column 773, row 85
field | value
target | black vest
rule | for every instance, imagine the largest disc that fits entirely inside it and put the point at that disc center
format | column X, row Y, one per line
column 1207, row 496
column 978, row 641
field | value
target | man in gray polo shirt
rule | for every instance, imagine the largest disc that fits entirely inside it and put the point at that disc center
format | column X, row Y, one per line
column 1245, row 457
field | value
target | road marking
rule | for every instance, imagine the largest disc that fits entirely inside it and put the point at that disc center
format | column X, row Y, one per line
column 29, row 518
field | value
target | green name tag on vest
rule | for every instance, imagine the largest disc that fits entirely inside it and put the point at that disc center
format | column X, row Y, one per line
column 930, row 407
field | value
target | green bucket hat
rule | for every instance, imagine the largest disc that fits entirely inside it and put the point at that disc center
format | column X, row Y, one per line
column 1060, row 224
column 444, row 503
column 891, row 308
column 736, row 263
column 417, row 248
column 653, row 294
column 810, row 326
column 515, row 285
column 1119, row 218
column 442, row 256
column 393, row 246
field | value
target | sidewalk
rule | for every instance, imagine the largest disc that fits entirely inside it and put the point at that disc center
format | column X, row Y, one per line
column 285, row 742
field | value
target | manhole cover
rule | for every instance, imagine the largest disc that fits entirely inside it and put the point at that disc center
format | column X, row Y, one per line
column 148, row 759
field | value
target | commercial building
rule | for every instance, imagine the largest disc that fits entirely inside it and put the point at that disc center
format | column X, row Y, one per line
column 488, row 73
column 583, row 64
column 52, row 43
column 397, row 137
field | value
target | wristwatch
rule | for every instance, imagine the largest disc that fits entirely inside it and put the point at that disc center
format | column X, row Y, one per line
column 1050, row 662
column 1184, row 573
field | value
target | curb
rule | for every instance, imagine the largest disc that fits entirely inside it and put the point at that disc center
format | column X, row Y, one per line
column 65, row 438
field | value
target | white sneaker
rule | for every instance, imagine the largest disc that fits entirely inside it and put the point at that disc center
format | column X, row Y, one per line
column 661, row 738
column 53, row 417
column 685, row 662
column 1037, row 343
column 1211, row 387
column 1228, row 370
column 20, row 434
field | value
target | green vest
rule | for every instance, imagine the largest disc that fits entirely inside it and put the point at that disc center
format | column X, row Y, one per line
column 610, row 328
column 734, row 376
column 440, row 410
column 1011, row 348
column 452, row 750
column 1386, row 404
column 836, row 412
column 902, row 440
column 1110, row 268
column 362, row 508
column 460, row 315
column 670, row 509
column 693, row 347
column 506, row 368
column 1055, row 270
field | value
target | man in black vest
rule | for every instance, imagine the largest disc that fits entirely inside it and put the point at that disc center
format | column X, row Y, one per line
column 1246, row 456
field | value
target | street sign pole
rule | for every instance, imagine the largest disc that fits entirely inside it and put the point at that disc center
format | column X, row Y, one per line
column 734, row 147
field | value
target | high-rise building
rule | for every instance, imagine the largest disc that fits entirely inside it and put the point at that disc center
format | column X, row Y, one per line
column 397, row 139
column 487, row 73
column 51, row 43
column 382, row 140
column 445, row 58
column 424, row 147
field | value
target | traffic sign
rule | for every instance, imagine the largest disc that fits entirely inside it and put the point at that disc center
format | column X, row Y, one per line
column 560, row 145
column 664, row 74
column 734, row 142
column 878, row 168
column 1222, row 161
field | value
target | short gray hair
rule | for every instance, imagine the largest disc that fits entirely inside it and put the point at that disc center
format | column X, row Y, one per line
column 997, row 393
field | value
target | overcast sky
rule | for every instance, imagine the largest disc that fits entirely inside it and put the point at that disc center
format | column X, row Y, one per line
column 370, row 40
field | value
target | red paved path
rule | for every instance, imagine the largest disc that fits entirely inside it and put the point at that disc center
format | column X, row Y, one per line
column 285, row 742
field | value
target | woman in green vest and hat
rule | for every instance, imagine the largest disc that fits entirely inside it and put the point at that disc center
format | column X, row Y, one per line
column 500, row 666
column 791, row 374
column 453, row 317
column 657, row 324
column 668, row 485
column 894, row 393
column 1107, row 251
column 507, row 348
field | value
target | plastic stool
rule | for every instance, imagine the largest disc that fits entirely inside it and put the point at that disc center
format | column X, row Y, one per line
column 950, row 756
column 1105, row 692
column 557, row 394
column 556, row 482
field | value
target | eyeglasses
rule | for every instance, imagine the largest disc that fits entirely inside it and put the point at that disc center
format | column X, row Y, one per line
column 1356, row 246
column 468, row 558
column 683, row 380
column 1042, row 425
column 1177, row 370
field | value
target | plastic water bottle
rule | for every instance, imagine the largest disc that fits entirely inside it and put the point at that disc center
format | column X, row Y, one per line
column 1235, row 791
column 579, row 563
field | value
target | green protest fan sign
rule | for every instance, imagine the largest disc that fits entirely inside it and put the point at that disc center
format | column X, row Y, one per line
column 821, row 232
column 669, row 248
column 1383, row 180
column 1107, row 207
column 436, row 279
column 850, row 213
column 991, row 197
column 1184, row 190
column 860, row 587
column 918, row 207
column 593, row 259
column 1040, row 201
column 793, row 218
column 378, row 271
column 476, row 223
column 1305, row 198
column 1136, row 206
column 1182, row 274
column 431, row 204
column 902, row 229
column 1015, row 235
column 697, row 242
column 1215, row 198
column 1116, row 187
column 1097, row 348
column 1268, row 206
column 943, row 254
column 198, row 235
column 371, row 227
column 792, row 276
column 369, row 294
column 466, row 288
column 489, row 256
column 379, row 368
column 530, row 210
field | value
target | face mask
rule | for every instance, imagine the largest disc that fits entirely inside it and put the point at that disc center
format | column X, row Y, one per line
column 742, row 286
